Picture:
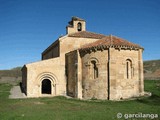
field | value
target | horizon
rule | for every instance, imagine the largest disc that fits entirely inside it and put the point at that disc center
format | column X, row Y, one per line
column 22, row 66
column 29, row 27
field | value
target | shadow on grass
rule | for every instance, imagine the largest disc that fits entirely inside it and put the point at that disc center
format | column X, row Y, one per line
column 152, row 100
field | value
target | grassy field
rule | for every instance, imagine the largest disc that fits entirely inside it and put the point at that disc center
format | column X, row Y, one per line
column 60, row 108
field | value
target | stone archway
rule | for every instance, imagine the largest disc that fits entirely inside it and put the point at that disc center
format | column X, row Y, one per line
column 46, row 87
column 47, row 84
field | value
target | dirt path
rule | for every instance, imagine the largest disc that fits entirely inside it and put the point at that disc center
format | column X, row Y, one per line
column 16, row 92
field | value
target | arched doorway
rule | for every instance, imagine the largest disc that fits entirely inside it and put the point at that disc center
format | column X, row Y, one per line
column 46, row 86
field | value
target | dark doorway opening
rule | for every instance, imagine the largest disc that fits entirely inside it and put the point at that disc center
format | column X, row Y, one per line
column 46, row 86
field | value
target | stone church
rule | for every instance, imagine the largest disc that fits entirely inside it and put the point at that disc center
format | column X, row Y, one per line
column 86, row 65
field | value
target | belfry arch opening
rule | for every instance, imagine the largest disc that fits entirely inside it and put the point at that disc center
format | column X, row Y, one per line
column 46, row 86
column 79, row 26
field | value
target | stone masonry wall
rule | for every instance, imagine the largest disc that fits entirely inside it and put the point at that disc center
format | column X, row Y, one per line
column 73, row 29
column 120, row 86
column 52, row 53
column 71, row 73
column 96, row 88
column 46, row 69
column 68, row 44
column 24, row 79
column 56, row 66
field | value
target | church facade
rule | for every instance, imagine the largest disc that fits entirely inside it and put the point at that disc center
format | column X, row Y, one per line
column 86, row 65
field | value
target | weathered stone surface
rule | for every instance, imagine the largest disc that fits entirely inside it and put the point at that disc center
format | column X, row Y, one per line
column 90, row 73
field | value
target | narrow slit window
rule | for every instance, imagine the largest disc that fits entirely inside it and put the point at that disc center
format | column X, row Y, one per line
column 94, row 70
column 129, row 69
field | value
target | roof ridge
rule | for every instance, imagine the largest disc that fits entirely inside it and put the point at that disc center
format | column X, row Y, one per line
column 112, row 41
column 87, row 34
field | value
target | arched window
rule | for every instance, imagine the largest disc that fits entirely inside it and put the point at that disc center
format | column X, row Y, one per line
column 94, row 69
column 129, row 69
column 79, row 26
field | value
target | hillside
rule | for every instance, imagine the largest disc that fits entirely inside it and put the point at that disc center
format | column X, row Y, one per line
column 15, row 72
column 152, row 70
column 12, row 76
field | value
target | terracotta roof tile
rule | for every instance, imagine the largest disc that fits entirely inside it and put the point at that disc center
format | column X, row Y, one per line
column 111, row 41
column 86, row 34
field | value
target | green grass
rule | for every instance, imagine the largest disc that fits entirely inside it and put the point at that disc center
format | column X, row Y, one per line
column 61, row 108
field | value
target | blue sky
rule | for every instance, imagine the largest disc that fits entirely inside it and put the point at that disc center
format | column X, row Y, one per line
column 27, row 27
